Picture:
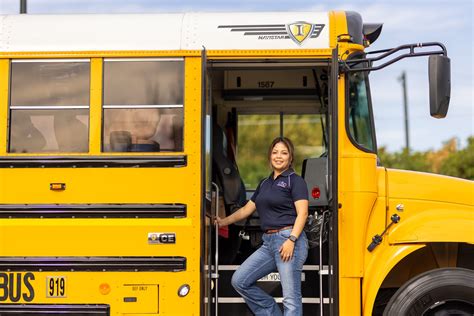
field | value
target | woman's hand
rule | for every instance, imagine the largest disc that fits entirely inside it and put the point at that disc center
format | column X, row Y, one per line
column 220, row 221
column 286, row 250
column 238, row 215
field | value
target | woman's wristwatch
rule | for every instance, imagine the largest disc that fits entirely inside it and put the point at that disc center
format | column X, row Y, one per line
column 293, row 238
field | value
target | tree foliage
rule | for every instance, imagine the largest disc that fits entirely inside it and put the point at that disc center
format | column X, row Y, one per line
column 460, row 163
column 449, row 160
column 256, row 132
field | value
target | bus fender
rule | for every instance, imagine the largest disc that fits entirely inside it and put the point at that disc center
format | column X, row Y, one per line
column 382, row 262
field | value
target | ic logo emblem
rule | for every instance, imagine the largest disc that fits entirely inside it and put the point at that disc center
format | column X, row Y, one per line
column 300, row 31
column 161, row 238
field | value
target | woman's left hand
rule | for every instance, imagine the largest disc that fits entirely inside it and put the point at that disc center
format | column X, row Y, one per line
column 286, row 250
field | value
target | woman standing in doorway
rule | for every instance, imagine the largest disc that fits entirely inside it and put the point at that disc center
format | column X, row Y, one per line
column 281, row 201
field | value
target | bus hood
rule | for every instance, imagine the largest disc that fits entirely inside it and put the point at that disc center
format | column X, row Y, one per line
column 429, row 187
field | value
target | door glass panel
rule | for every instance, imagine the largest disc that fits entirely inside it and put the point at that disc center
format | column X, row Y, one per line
column 256, row 133
column 306, row 133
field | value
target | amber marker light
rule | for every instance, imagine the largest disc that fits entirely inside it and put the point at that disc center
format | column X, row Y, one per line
column 104, row 288
column 316, row 193
column 57, row 186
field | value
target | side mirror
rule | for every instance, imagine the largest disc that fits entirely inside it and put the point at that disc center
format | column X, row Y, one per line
column 440, row 85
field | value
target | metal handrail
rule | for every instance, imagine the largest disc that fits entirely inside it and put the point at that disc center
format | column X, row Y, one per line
column 215, row 275
column 321, row 233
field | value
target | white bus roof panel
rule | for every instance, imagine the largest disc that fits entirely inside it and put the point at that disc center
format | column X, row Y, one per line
column 179, row 31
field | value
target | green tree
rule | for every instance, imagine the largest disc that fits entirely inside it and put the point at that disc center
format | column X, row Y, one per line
column 449, row 160
column 256, row 132
column 416, row 161
column 460, row 163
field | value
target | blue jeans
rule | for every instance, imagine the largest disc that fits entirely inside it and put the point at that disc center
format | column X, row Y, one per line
column 265, row 260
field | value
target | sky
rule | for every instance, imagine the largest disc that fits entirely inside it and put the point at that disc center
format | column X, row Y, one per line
column 405, row 22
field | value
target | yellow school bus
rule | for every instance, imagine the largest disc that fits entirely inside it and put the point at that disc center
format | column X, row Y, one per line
column 123, row 136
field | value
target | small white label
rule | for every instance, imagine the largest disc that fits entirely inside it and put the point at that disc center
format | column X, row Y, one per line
column 275, row 277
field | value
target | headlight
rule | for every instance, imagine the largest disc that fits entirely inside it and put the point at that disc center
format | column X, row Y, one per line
column 183, row 290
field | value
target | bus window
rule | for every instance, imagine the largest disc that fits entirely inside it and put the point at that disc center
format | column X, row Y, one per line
column 360, row 117
column 143, row 105
column 257, row 131
column 49, row 106
column 306, row 133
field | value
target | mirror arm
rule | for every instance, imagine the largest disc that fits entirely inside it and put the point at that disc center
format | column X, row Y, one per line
column 348, row 66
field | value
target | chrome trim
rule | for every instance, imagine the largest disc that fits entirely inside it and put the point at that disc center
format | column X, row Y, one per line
column 237, row 300
column 147, row 106
column 215, row 275
column 48, row 107
column 307, row 267
column 321, row 267
column 143, row 59
column 54, row 60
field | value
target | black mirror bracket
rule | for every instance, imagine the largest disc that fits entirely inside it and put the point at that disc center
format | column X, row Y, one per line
column 439, row 70
column 347, row 66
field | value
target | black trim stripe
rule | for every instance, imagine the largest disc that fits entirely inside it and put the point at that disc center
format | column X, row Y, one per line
column 318, row 28
column 272, row 29
column 294, row 93
column 96, row 264
column 93, row 210
column 94, row 162
column 266, row 33
column 63, row 309
column 252, row 26
column 258, row 29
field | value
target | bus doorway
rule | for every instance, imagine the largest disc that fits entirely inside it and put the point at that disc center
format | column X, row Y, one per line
column 248, row 104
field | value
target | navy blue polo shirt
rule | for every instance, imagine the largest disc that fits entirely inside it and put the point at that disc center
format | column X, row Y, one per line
column 275, row 199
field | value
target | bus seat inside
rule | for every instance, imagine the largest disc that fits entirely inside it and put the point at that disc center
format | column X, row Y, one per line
column 226, row 173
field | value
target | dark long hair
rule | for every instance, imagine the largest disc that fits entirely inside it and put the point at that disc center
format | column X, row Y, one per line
column 289, row 145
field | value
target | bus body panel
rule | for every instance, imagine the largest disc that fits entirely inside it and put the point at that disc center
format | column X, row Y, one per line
column 78, row 239
column 425, row 186
column 181, row 31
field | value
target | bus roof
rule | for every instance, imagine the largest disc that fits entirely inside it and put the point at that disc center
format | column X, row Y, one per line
column 178, row 31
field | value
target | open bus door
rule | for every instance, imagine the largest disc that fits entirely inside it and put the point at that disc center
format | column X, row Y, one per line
column 333, row 297
column 319, row 283
column 209, row 276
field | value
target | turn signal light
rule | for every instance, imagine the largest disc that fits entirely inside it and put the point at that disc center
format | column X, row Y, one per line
column 316, row 193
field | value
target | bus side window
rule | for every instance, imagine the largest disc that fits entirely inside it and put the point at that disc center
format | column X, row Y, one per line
column 49, row 107
column 143, row 105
